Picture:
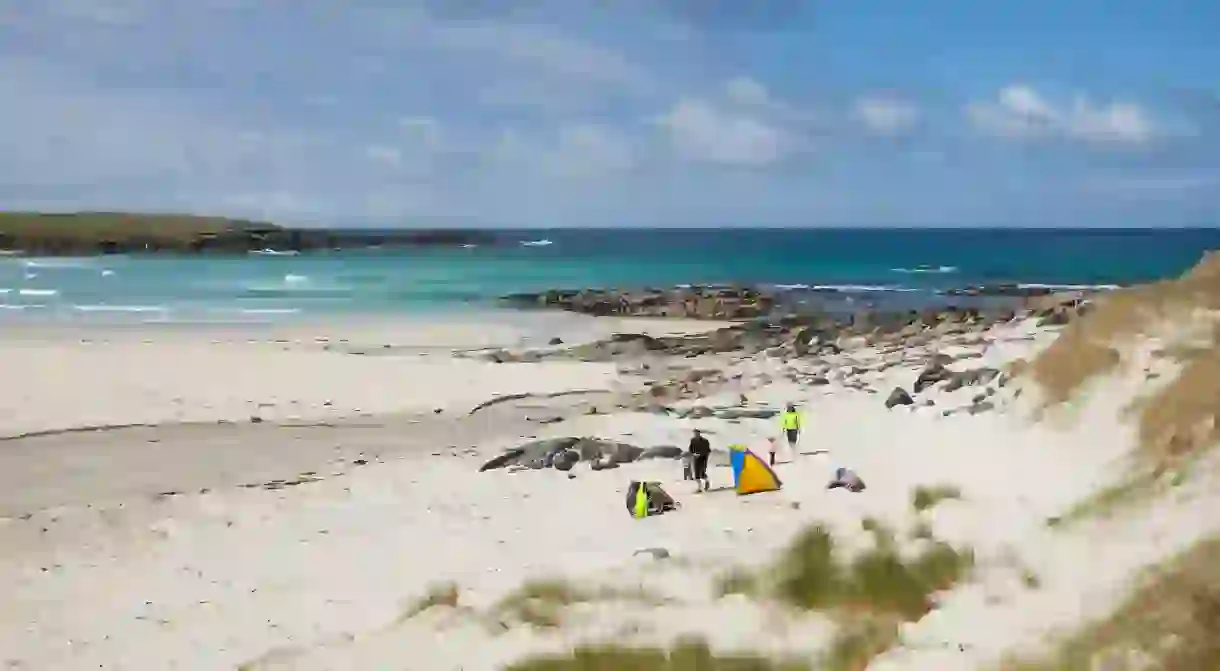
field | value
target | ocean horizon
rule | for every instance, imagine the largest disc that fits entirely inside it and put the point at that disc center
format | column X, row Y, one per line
column 870, row 264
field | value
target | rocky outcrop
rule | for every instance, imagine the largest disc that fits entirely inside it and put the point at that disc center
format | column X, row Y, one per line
column 730, row 303
column 784, row 337
column 565, row 453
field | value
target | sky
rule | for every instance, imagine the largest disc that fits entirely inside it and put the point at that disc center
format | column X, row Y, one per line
column 520, row 113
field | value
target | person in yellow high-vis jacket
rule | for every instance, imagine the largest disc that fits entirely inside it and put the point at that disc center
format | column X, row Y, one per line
column 790, row 420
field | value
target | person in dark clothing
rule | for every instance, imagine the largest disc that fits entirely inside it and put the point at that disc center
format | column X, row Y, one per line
column 700, row 451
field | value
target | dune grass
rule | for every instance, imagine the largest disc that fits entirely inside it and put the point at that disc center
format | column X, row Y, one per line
column 441, row 594
column 1169, row 622
column 925, row 497
column 541, row 603
column 1176, row 422
column 870, row 595
column 537, row 603
column 1088, row 347
column 692, row 655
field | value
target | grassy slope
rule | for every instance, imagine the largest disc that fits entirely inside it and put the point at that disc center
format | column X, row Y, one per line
column 91, row 227
column 1171, row 619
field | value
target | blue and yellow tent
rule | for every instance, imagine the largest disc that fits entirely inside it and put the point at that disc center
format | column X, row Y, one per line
column 750, row 473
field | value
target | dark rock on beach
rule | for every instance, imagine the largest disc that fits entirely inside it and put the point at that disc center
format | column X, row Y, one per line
column 898, row 396
column 662, row 452
column 934, row 372
column 565, row 453
column 969, row 378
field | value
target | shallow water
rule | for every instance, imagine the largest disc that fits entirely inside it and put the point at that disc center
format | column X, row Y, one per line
column 894, row 268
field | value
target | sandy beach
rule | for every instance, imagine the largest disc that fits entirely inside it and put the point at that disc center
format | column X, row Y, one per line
column 288, row 497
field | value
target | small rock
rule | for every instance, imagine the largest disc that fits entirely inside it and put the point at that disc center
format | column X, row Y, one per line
column 981, row 407
column 566, row 460
column 546, row 419
column 898, row 397
column 555, row 341
column 738, row 413
column 661, row 452
column 934, row 372
column 657, row 553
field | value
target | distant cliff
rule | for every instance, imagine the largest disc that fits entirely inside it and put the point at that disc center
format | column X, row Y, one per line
column 89, row 233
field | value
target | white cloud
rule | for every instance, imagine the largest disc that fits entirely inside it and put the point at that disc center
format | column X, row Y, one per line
column 704, row 132
column 885, row 116
column 579, row 150
column 1116, row 122
column 516, row 64
column 747, row 91
column 589, row 149
column 1020, row 111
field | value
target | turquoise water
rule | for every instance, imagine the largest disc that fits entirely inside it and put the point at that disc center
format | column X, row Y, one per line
column 873, row 263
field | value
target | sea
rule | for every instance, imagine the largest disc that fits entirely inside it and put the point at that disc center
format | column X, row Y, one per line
column 909, row 267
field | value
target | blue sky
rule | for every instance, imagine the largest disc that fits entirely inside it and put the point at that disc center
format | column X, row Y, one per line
column 627, row 113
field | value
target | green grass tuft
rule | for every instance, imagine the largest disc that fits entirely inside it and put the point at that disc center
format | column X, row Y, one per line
column 870, row 595
column 927, row 497
column 810, row 576
column 541, row 603
column 683, row 656
column 442, row 594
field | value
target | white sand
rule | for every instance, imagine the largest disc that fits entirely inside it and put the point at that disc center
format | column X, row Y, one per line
column 317, row 576
column 57, row 379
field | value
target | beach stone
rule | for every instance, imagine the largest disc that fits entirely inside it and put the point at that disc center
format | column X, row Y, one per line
column 983, row 406
column 566, row 460
column 507, row 459
column 534, row 454
column 596, row 449
column 898, row 396
column 971, row 377
column 604, row 464
column 655, row 553
column 934, row 372
column 545, row 419
column 661, row 452
column 555, row 341
column 742, row 413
